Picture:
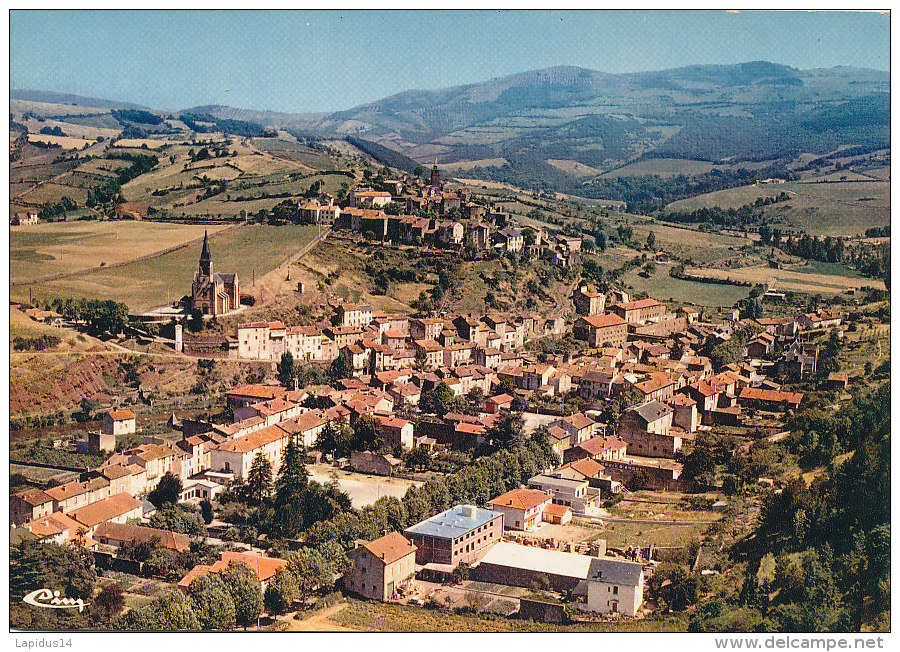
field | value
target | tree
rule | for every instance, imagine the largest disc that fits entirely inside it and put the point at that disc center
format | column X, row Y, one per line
column 699, row 465
column 460, row 573
column 195, row 323
column 64, row 568
column 309, row 568
column 242, row 584
column 167, row 490
column 206, row 511
column 259, row 479
column 139, row 550
column 281, row 592
column 336, row 439
column 437, row 400
column 366, row 434
column 87, row 408
column 651, row 240
column 286, row 371
column 172, row 612
column 176, row 518
column 508, row 432
column 110, row 600
column 292, row 475
column 212, row 602
column 341, row 367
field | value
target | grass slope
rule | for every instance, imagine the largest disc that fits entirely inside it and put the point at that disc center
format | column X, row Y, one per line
column 144, row 284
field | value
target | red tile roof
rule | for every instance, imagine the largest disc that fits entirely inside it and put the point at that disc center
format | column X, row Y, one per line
column 390, row 547
column 604, row 321
column 106, row 509
column 521, row 499
column 772, row 396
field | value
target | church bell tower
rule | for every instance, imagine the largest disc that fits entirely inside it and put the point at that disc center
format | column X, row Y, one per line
column 205, row 257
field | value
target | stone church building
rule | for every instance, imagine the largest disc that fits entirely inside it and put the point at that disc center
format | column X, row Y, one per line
column 213, row 294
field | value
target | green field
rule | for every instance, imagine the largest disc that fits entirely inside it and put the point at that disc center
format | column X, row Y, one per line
column 663, row 167
column 60, row 247
column 663, row 287
column 847, row 208
column 690, row 244
column 145, row 284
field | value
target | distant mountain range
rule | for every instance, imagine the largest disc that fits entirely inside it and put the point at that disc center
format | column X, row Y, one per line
column 747, row 111
column 51, row 97
column 750, row 111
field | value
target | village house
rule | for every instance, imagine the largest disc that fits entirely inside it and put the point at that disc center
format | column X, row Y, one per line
column 236, row 455
column 397, row 432
column 425, row 329
column 479, row 236
column 264, row 567
column 590, row 470
column 430, row 352
column 246, row 395
column 510, row 239
column 640, row 312
column 25, row 219
column 579, row 426
column 647, row 430
column 615, row 586
column 28, row 505
column 576, row 494
column 588, row 303
column 767, row 399
column 373, row 463
column 361, row 198
column 381, row 568
column 115, row 534
column 59, row 528
column 522, row 509
column 70, row 495
column 495, row 404
column 601, row 330
column 350, row 314
column 117, row 509
column 596, row 448
column 118, row 423
column 313, row 212
column 685, row 414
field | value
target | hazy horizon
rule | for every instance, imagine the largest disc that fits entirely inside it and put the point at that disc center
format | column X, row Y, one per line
column 316, row 61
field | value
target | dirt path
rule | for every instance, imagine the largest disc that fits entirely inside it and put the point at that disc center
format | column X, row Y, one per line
column 320, row 622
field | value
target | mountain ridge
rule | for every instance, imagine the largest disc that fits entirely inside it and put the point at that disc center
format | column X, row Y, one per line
column 752, row 111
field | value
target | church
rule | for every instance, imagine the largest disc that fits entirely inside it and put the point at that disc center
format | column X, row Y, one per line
column 213, row 294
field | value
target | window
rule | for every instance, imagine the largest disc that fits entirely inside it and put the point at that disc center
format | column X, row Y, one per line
column 615, row 590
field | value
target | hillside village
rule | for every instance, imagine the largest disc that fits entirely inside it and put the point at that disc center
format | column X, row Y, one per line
column 620, row 413
column 276, row 376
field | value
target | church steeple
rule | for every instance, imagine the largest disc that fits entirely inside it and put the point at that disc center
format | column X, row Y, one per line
column 205, row 257
column 435, row 176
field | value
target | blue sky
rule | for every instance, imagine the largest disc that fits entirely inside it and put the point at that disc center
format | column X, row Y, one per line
column 303, row 61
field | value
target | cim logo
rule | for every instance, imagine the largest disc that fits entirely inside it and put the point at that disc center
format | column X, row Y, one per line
column 47, row 599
